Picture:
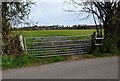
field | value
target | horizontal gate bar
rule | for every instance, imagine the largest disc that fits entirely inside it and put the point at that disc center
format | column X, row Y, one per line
column 60, row 36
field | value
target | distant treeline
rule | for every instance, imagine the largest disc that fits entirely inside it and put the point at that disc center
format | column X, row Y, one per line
column 56, row 27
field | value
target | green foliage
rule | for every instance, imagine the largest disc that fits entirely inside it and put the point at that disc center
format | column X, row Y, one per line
column 100, row 53
column 9, row 61
column 23, row 60
column 110, row 44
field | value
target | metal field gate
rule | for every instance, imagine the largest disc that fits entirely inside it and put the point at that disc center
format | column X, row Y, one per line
column 57, row 45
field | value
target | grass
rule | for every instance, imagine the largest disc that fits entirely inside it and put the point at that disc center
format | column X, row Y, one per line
column 38, row 33
column 23, row 60
column 9, row 61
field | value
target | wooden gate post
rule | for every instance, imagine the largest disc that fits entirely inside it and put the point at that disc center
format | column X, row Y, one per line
column 93, row 47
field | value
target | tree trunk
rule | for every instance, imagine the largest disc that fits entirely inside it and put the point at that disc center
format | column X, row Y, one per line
column 5, row 23
column 5, row 28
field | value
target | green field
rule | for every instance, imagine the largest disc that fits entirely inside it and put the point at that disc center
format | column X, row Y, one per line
column 38, row 33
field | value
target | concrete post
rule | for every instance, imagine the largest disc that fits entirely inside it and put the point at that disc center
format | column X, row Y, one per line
column 21, row 42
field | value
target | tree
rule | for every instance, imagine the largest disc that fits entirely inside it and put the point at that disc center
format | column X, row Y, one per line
column 107, row 13
column 13, row 13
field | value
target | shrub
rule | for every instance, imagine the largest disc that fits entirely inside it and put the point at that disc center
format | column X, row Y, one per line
column 12, row 46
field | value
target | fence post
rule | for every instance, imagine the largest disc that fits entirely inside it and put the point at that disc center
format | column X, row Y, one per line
column 93, row 41
column 77, row 45
column 21, row 42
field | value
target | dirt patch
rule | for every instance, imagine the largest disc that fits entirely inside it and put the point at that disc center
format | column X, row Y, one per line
column 74, row 57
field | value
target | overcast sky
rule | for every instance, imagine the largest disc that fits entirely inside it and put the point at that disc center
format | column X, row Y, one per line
column 51, row 12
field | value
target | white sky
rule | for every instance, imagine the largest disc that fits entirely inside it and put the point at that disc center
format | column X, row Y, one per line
column 51, row 12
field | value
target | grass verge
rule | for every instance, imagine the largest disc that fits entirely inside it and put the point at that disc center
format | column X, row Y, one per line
column 23, row 60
